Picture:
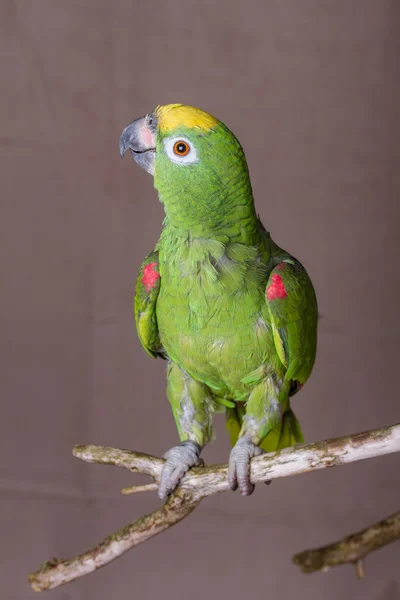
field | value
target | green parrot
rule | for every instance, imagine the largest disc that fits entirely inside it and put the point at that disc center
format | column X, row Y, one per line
column 234, row 315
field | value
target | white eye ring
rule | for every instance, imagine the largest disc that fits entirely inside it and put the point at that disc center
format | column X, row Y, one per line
column 188, row 159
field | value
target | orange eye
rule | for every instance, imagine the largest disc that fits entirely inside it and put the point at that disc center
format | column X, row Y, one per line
column 181, row 148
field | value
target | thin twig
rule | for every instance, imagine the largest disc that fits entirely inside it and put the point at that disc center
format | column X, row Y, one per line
column 199, row 483
column 359, row 565
column 136, row 489
column 351, row 549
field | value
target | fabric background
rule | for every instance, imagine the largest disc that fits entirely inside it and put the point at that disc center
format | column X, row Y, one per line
column 312, row 90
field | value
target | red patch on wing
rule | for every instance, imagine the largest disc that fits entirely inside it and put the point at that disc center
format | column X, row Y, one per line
column 276, row 289
column 150, row 276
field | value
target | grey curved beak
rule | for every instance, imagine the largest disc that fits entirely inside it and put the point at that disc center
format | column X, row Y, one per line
column 133, row 138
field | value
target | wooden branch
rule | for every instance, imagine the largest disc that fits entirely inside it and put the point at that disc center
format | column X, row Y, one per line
column 56, row 572
column 351, row 549
column 199, row 483
column 136, row 462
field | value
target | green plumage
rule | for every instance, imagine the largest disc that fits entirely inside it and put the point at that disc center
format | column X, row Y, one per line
column 234, row 314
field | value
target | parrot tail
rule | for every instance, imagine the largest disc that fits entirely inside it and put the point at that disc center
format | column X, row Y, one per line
column 290, row 433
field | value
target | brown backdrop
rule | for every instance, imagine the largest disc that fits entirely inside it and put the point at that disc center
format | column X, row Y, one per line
column 312, row 90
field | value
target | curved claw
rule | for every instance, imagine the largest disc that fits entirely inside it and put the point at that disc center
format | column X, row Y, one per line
column 239, row 465
column 179, row 460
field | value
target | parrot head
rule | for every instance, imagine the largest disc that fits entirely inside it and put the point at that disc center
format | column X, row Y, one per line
column 199, row 167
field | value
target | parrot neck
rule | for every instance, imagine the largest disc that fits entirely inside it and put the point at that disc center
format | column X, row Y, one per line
column 218, row 219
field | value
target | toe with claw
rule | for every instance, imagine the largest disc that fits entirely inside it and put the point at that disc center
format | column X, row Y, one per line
column 179, row 460
column 239, row 465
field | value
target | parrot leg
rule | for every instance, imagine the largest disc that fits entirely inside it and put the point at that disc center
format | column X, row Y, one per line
column 263, row 416
column 192, row 406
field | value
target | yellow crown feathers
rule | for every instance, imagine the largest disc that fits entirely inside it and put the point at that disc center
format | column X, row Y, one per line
column 172, row 116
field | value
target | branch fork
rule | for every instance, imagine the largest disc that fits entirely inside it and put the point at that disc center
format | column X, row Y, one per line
column 201, row 482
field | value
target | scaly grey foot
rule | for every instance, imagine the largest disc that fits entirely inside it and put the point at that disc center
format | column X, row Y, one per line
column 239, row 465
column 179, row 460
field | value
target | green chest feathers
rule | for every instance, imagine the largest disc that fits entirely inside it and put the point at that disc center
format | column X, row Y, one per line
column 206, row 280
column 211, row 309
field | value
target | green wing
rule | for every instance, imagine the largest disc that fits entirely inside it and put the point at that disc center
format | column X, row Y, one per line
column 293, row 312
column 147, row 289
